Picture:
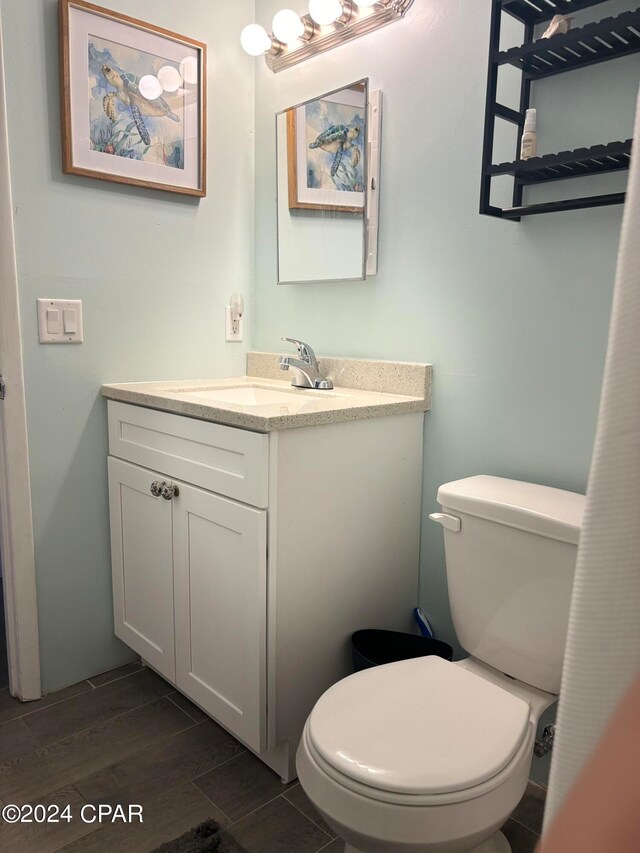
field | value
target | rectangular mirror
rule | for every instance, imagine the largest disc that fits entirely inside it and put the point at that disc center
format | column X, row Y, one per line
column 322, row 174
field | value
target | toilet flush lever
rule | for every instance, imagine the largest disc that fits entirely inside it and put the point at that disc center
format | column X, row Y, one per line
column 451, row 522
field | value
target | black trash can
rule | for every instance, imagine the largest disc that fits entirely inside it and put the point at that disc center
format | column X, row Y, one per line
column 374, row 647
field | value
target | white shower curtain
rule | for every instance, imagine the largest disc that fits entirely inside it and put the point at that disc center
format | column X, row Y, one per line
column 603, row 644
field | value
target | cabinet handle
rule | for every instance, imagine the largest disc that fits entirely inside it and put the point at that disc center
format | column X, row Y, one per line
column 156, row 488
column 169, row 491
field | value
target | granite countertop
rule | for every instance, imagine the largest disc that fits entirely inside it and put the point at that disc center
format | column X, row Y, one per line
column 362, row 389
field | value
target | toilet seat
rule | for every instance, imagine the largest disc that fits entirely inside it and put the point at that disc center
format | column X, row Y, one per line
column 368, row 818
column 417, row 731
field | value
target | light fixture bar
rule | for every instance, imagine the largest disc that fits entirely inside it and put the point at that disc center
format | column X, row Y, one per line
column 359, row 22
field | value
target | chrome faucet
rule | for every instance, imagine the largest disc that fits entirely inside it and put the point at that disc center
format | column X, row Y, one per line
column 306, row 371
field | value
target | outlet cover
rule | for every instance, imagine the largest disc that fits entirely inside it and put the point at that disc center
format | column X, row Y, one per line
column 232, row 334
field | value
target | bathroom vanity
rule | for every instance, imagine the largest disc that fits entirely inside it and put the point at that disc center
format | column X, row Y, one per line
column 255, row 526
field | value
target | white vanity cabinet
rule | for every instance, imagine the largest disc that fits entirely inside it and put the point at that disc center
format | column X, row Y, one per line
column 243, row 583
column 189, row 578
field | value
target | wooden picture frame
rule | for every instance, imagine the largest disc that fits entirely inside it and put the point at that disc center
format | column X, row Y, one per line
column 301, row 196
column 143, row 122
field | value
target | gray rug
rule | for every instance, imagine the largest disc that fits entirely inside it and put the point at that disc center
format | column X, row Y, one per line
column 208, row 837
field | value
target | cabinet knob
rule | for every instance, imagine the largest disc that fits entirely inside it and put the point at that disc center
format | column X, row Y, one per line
column 169, row 492
column 156, row 488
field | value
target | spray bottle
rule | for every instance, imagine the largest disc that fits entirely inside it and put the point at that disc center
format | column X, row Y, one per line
column 529, row 143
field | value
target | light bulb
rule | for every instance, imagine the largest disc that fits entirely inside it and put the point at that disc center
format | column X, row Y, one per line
column 170, row 78
column 325, row 12
column 365, row 3
column 287, row 26
column 255, row 40
column 150, row 87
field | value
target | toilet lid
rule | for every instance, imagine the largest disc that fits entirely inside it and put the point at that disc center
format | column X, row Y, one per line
column 421, row 726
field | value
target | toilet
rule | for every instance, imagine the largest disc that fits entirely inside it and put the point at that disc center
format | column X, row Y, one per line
column 428, row 756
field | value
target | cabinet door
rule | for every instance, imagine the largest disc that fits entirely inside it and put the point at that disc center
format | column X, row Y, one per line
column 141, row 560
column 219, row 557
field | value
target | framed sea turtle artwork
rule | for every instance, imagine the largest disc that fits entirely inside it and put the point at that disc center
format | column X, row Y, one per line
column 133, row 99
column 325, row 152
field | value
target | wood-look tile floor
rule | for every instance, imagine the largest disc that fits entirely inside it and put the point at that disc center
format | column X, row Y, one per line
column 127, row 738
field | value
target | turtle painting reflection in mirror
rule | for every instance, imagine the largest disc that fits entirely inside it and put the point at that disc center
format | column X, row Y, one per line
column 335, row 134
column 128, row 118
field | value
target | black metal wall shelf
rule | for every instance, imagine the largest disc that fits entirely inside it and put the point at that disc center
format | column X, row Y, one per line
column 568, row 164
column 538, row 11
column 595, row 42
column 567, row 204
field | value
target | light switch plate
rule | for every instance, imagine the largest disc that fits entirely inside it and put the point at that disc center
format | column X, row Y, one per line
column 60, row 321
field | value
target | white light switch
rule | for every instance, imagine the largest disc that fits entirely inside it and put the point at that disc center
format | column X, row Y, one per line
column 53, row 321
column 60, row 321
column 70, row 324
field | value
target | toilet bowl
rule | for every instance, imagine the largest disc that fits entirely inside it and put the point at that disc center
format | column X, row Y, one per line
column 421, row 756
column 429, row 756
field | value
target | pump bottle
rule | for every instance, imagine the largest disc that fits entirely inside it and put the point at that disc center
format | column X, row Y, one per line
column 529, row 142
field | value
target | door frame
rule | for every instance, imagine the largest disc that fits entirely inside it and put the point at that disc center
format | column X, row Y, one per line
column 16, row 524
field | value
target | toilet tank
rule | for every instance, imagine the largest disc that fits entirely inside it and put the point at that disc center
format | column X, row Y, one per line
column 510, row 571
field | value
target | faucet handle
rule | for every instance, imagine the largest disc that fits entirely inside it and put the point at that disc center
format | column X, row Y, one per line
column 305, row 351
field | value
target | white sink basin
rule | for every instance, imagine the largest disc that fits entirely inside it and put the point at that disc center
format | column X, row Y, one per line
column 252, row 395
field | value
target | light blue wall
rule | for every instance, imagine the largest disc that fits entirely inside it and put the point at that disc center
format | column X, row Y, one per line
column 153, row 270
column 513, row 316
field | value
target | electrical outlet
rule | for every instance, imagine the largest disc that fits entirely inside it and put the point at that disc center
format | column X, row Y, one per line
column 234, row 329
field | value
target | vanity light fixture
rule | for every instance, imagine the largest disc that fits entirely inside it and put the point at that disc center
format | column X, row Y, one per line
column 329, row 23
